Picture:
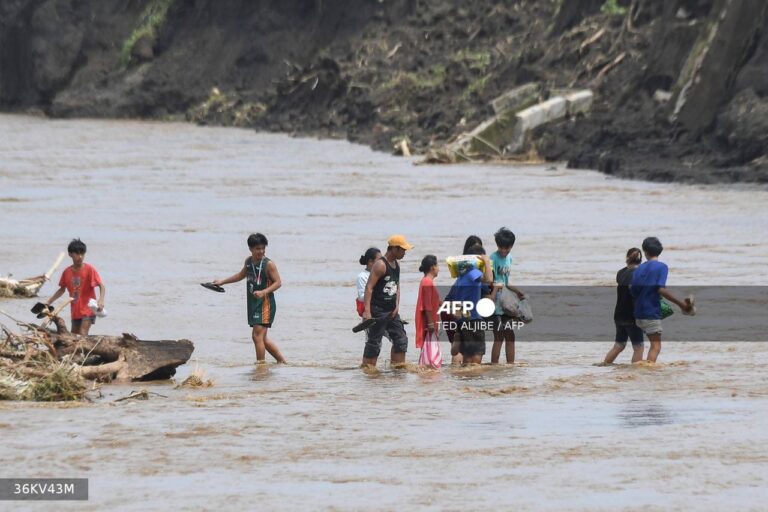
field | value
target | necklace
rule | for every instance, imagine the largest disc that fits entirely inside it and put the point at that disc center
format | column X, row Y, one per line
column 258, row 276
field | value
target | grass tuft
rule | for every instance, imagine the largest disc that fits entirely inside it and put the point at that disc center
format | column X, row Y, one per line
column 152, row 19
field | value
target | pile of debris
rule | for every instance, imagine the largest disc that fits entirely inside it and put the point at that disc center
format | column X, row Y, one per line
column 51, row 365
column 518, row 112
column 29, row 287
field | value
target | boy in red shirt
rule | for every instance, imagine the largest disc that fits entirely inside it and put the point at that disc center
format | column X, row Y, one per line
column 80, row 280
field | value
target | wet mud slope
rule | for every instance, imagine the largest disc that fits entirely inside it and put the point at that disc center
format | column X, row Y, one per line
column 681, row 86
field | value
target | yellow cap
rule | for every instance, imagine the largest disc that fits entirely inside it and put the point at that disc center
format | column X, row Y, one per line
column 399, row 241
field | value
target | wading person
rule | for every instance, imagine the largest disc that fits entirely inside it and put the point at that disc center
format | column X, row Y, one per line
column 471, row 285
column 472, row 241
column 624, row 312
column 367, row 260
column 649, row 283
column 80, row 280
column 427, row 317
column 382, row 302
column 501, row 259
column 262, row 280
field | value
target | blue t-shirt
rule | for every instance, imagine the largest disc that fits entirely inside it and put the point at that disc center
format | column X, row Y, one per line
column 468, row 287
column 646, row 281
column 502, row 267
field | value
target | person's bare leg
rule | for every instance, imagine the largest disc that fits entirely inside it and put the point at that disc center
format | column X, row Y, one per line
column 369, row 361
column 509, row 346
column 258, row 335
column 456, row 357
column 476, row 359
column 498, row 337
column 637, row 353
column 272, row 348
column 653, row 352
column 396, row 358
column 612, row 354
column 75, row 327
column 85, row 327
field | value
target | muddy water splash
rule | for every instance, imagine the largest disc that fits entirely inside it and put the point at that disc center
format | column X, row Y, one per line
column 163, row 207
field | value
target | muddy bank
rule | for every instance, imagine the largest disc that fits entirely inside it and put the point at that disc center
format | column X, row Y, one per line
column 680, row 86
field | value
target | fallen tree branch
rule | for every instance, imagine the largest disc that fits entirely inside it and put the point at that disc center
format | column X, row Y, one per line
column 608, row 67
column 592, row 39
column 42, row 364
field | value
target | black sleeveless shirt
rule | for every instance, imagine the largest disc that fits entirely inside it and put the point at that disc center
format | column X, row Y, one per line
column 384, row 296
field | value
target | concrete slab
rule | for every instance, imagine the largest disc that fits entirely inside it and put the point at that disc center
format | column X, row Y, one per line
column 553, row 109
column 579, row 102
column 517, row 99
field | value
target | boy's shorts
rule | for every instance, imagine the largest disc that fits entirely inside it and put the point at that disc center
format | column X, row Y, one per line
column 472, row 341
column 629, row 331
column 649, row 326
column 391, row 327
column 76, row 324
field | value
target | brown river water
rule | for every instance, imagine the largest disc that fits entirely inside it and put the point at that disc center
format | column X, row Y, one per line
column 163, row 207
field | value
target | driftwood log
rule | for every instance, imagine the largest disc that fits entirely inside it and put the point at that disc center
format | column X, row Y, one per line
column 123, row 357
column 30, row 286
column 118, row 357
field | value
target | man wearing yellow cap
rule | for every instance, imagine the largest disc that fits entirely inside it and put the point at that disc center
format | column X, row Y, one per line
column 382, row 302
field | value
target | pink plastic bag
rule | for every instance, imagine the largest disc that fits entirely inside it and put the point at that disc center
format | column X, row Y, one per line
column 431, row 356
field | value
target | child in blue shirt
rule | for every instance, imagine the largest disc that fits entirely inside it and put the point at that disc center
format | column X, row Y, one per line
column 501, row 260
column 649, row 283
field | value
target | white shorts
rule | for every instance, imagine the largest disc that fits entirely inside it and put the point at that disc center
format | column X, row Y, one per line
column 649, row 326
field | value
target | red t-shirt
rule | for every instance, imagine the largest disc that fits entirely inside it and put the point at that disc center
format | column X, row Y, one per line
column 81, row 286
column 429, row 300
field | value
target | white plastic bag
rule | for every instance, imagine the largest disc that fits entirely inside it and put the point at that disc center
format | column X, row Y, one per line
column 525, row 313
column 94, row 306
column 510, row 303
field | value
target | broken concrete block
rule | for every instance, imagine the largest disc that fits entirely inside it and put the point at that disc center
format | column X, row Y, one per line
column 517, row 98
column 506, row 132
column 579, row 102
column 493, row 134
column 550, row 110
column 553, row 109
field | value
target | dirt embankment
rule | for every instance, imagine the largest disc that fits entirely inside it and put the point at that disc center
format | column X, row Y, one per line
column 681, row 87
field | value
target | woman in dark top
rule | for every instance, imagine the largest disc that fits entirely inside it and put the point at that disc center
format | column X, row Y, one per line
column 623, row 314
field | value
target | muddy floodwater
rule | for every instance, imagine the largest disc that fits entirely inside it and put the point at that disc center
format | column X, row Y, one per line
column 163, row 207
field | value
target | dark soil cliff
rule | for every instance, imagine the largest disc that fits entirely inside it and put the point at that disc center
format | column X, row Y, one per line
column 378, row 71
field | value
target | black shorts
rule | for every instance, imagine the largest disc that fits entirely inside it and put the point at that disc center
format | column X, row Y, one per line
column 629, row 331
column 76, row 324
column 472, row 338
column 391, row 327
column 504, row 323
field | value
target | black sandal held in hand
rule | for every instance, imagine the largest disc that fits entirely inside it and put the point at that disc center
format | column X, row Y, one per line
column 41, row 310
column 213, row 287
column 364, row 325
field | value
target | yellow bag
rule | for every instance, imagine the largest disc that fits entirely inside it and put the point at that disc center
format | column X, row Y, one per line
column 459, row 264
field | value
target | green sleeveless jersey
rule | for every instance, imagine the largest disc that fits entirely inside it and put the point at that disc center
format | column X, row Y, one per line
column 260, row 311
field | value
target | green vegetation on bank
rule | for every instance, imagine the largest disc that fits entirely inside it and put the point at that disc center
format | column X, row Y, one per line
column 430, row 78
column 150, row 22
column 613, row 8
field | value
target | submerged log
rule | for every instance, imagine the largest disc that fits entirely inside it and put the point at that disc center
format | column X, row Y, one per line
column 123, row 357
